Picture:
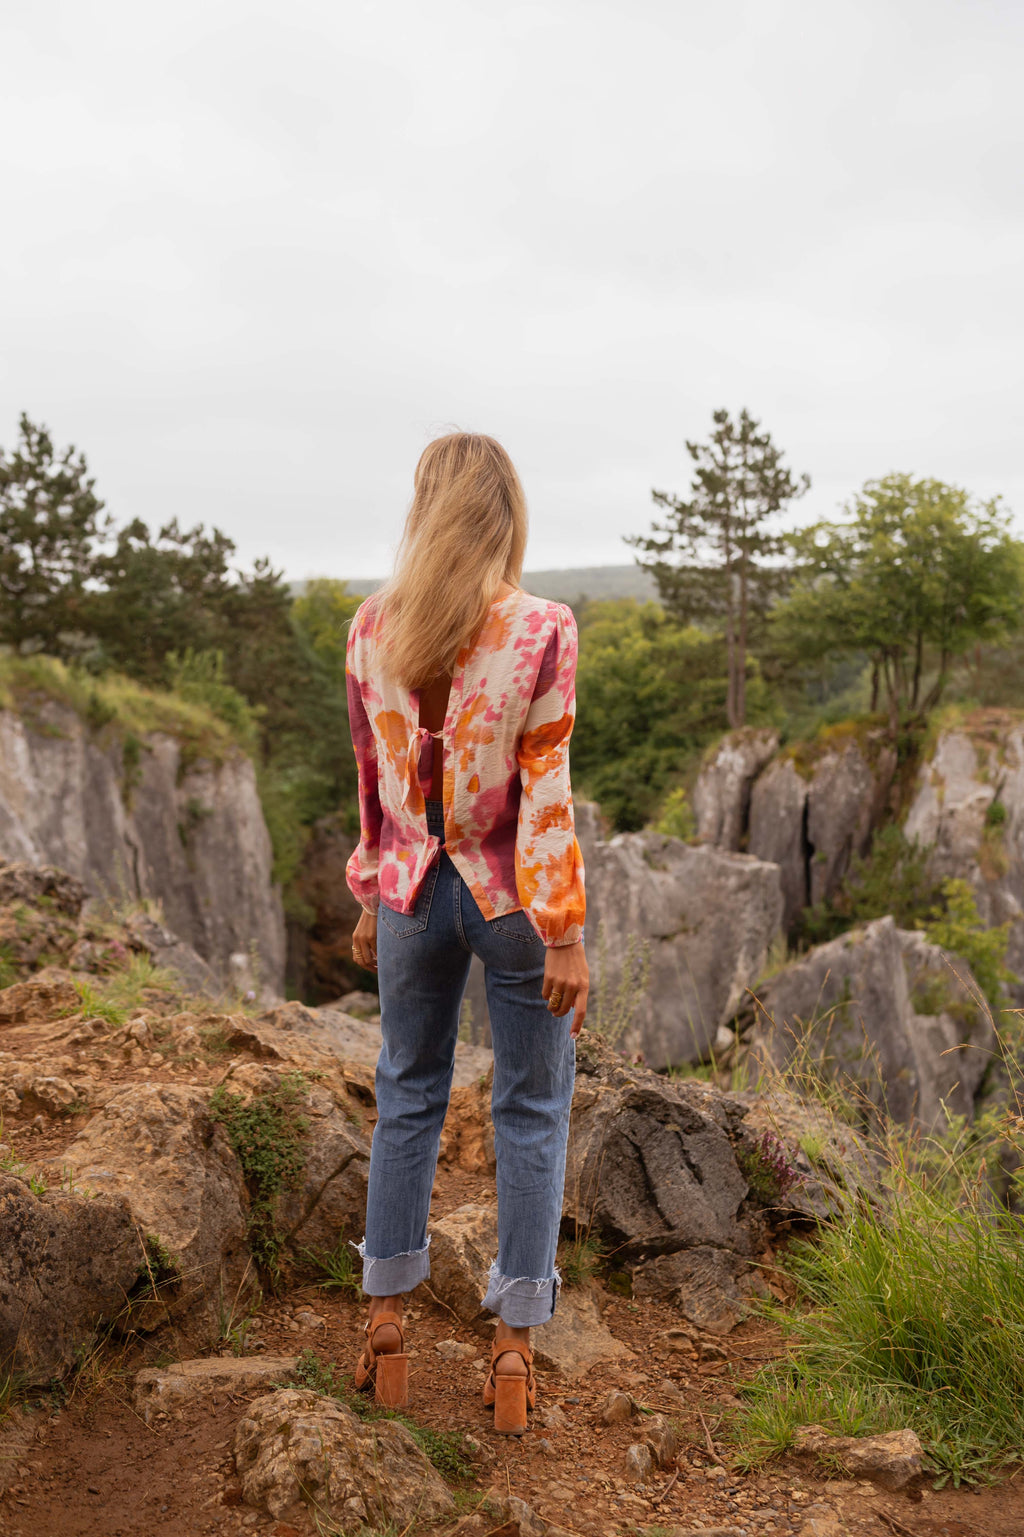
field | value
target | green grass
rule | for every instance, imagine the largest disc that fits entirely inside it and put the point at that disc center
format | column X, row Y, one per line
column 579, row 1259
column 335, row 1268
column 912, row 1315
column 117, row 704
column 126, row 988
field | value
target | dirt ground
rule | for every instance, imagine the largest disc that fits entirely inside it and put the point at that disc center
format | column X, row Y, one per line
column 93, row 1468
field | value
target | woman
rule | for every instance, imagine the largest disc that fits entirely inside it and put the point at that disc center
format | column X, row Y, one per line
column 461, row 703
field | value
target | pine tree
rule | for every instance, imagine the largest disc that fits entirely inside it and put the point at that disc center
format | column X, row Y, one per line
column 715, row 558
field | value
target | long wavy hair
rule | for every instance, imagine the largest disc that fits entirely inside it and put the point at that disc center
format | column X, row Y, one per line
column 465, row 534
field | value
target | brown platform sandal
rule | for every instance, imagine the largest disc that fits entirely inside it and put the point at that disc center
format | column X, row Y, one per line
column 385, row 1373
column 511, row 1396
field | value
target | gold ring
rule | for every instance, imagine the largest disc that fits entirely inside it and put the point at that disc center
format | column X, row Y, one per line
column 556, row 998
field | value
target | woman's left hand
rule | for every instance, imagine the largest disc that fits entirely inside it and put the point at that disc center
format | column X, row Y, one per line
column 567, row 982
column 364, row 941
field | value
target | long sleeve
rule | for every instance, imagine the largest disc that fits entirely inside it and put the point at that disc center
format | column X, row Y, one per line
column 362, row 867
column 548, row 862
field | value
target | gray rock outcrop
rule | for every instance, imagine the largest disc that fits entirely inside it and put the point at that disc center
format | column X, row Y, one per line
column 811, row 810
column 968, row 810
column 708, row 919
column 891, row 1018
column 721, row 796
column 189, row 834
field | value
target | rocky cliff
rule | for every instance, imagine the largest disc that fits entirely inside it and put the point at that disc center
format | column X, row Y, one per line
column 138, row 816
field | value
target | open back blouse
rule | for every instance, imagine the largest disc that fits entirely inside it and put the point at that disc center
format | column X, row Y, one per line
column 508, row 813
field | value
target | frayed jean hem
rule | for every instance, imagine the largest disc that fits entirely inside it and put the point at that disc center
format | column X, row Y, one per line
column 520, row 1301
column 393, row 1276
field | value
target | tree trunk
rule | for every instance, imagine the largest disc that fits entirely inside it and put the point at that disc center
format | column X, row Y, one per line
column 875, row 680
column 730, row 631
column 918, row 661
column 741, row 649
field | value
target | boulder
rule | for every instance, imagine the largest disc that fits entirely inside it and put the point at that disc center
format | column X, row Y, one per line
column 651, row 1163
column 575, row 1338
column 159, row 1389
column 38, row 1000
column 710, row 1287
column 292, row 1032
column 172, row 954
column 28, row 883
column 462, row 1247
column 844, row 802
column 294, row 1448
column 158, row 1147
column 68, row 1265
column 893, row 1019
column 707, row 919
column 892, row 1460
column 721, row 796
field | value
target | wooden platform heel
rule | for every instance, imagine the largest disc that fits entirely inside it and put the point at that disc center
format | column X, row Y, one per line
column 385, row 1373
column 512, row 1397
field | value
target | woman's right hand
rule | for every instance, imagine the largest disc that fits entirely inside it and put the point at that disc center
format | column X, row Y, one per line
column 364, row 941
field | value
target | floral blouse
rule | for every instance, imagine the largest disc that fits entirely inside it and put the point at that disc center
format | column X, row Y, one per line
column 508, row 814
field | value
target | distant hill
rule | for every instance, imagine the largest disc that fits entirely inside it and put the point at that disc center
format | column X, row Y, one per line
column 572, row 585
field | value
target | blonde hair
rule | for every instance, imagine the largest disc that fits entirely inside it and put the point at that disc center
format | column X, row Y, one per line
column 465, row 534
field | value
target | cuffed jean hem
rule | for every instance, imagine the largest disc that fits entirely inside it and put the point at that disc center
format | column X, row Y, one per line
column 391, row 1277
column 520, row 1302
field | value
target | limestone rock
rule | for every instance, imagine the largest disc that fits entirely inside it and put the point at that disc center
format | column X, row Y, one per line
column 849, row 1007
column 663, row 1440
column 67, row 1267
column 158, row 1147
column 640, row 1461
column 295, row 1448
column 291, row 1031
column 27, row 883
column 575, row 1338
column 843, row 805
column 708, row 918
column 462, row 1247
column 39, row 999
column 616, row 1409
column 968, row 810
column 160, row 1388
column 710, row 1287
column 721, row 796
column 190, row 834
column 172, row 954
column 650, row 1160
column 892, row 1460
column 778, row 833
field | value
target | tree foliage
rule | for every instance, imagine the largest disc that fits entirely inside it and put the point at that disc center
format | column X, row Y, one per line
column 715, row 557
column 50, row 525
column 650, row 694
column 919, row 574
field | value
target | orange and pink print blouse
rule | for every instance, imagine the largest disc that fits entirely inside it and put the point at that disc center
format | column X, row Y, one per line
column 508, row 814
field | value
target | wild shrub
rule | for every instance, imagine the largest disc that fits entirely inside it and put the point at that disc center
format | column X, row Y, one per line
column 956, row 926
column 768, row 1168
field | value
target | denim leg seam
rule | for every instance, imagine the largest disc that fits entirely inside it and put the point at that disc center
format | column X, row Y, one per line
column 457, row 895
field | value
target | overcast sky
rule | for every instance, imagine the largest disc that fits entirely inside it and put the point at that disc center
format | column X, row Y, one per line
column 254, row 256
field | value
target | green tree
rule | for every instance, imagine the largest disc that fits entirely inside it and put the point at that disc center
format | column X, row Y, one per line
column 715, row 558
column 50, row 522
column 919, row 574
column 154, row 592
column 650, row 695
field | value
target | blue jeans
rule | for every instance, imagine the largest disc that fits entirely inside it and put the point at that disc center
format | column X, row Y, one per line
column 423, row 960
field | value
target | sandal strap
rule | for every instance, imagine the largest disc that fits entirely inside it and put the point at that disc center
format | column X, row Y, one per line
column 379, row 1319
column 502, row 1346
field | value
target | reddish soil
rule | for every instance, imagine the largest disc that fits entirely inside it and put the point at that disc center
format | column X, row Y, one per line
column 94, row 1469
